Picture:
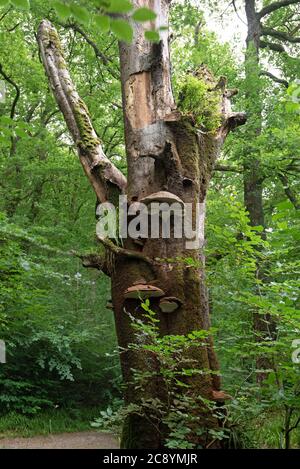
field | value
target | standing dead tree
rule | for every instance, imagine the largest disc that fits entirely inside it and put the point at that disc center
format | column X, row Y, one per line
column 166, row 152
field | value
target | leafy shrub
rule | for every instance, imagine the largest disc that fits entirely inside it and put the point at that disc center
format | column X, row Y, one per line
column 178, row 414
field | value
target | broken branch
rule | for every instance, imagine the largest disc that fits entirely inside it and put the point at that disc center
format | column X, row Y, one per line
column 103, row 175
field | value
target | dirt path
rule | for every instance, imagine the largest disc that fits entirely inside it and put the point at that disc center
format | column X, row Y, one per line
column 82, row 440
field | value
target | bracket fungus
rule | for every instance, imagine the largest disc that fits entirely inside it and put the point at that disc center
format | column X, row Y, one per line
column 163, row 201
column 140, row 281
column 220, row 396
column 169, row 304
column 162, row 197
column 141, row 291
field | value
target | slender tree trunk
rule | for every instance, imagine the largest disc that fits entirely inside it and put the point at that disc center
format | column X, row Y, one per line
column 165, row 152
column 264, row 327
column 253, row 176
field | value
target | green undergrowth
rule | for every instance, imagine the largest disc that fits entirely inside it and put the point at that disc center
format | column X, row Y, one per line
column 47, row 422
column 268, row 432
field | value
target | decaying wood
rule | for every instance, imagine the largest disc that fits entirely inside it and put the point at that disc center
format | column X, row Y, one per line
column 103, row 175
column 94, row 261
column 166, row 153
column 167, row 156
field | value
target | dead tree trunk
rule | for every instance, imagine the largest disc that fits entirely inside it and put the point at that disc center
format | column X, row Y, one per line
column 165, row 152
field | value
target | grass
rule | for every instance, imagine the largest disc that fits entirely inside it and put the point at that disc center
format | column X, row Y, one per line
column 47, row 422
column 268, row 432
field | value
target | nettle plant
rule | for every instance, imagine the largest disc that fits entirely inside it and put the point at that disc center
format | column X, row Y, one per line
column 166, row 363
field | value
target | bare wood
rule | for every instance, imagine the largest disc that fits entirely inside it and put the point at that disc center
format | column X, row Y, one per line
column 165, row 152
column 98, row 53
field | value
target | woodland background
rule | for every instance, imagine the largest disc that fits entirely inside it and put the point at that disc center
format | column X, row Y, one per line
column 62, row 365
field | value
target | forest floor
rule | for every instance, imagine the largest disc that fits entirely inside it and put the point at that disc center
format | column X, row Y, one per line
column 79, row 440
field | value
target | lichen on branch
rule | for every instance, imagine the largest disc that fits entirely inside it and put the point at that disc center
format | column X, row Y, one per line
column 105, row 178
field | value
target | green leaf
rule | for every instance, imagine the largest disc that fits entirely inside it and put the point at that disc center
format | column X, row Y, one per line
column 152, row 36
column 3, row 3
column 103, row 3
column 120, row 6
column 285, row 205
column 102, row 22
column 81, row 14
column 5, row 120
column 258, row 228
column 122, row 30
column 62, row 10
column 20, row 133
column 282, row 225
column 292, row 107
column 144, row 14
column 22, row 4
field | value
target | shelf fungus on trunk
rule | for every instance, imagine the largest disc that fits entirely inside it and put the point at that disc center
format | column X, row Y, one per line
column 163, row 201
column 170, row 161
column 220, row 396
column 169, row 304
column 162, row 197
column 142, row 291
